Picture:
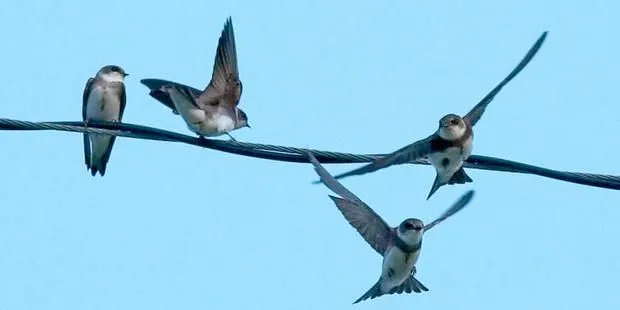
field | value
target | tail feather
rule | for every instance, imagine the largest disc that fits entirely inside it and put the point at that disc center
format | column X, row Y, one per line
column 86, row 150
column 155, row 85
column 91, row 163
column 460, row 177
column 373, row 292
column 165, row 99
column 436, row 185
column 99, row 158
column 410, row 285
column 97, row 165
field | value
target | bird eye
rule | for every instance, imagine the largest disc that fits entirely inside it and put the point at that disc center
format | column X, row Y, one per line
column 409, row 226
column 454, row 121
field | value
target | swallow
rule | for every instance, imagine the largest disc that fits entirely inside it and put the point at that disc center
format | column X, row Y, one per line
column 214, row 111
column 452, row 143
column 400, row 246
column 103, row 99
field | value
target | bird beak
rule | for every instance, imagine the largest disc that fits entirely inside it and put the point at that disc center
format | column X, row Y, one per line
column 248, row 125
column 125, row 74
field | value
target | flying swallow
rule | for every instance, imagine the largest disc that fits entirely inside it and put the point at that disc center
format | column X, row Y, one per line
column 451, row 144
column 104, row 99
column 400, row 246
column 214, row 111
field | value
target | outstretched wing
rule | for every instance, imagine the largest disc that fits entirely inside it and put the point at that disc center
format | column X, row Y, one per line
column 225, row 84
column 456, row 207
column 411, row 152
column 476, row 113
column 368, row 223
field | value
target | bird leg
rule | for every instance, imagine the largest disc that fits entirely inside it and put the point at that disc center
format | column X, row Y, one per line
column 231, row 137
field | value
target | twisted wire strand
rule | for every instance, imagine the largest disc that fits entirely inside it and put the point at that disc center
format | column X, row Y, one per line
column 298, row 155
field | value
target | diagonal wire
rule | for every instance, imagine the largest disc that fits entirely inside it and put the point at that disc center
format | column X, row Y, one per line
column 298, row 155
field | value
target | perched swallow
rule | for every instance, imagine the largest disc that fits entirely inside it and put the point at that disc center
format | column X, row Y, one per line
column 451, row 144
column 214, row 111
column 400, row 246
column 104, row 99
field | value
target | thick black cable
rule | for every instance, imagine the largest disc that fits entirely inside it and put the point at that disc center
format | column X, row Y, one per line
column 298, row 155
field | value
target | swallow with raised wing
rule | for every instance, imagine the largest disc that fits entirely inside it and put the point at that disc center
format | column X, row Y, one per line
column 214, row 111
column 103, row 99
column 451, row 144
column 400, row 246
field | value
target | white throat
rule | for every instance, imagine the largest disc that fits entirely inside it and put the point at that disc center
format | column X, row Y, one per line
column 411, row 237
column 112, row 77
column 452, row 132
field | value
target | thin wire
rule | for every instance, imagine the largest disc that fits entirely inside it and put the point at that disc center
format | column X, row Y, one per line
column 298, row 155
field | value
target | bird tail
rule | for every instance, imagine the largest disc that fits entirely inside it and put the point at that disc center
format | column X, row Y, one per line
column 98, row 165
column 90, row 160
column 410, row 285
column 99, row 155
column 154, row 86
column 460, row 177
column 87, row 150
column 439, row 182
column 373, row 292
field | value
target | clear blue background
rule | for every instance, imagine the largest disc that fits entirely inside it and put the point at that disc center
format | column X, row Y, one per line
column 172, row 226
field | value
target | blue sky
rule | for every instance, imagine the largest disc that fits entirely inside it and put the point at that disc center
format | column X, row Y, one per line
column 172, row 226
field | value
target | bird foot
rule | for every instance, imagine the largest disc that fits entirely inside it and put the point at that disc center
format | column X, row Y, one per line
column 231, row 137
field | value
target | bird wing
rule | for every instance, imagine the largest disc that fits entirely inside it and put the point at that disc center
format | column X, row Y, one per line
column 411, row 152
column 456, row 207
column 85, row 137
column 123, row 98
column 225, row 84
column 476, row 112
column 85, row 94
column 368, row 223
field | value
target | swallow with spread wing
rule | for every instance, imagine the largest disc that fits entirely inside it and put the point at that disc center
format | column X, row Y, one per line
column 451, row 144
column 400, row 246
column 214, row 111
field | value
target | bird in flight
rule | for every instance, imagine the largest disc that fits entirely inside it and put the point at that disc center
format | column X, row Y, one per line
column 400, row 246
column 451, row 143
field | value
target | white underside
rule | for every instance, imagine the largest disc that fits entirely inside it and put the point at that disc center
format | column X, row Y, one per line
column 108, row 98
column 456, row 158
column 401, row 263
column 197, row 120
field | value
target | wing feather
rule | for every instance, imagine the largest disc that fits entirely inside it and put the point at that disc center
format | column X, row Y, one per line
column 367, row 223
